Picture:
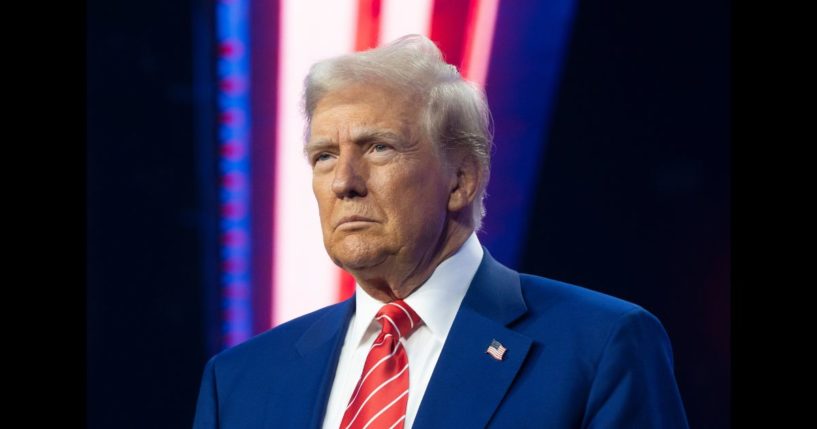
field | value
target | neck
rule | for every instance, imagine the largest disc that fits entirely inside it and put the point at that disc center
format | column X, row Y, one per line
column 400, row 279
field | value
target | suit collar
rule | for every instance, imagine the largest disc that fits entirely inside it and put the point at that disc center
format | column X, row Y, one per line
column 467, row 384
column 495, row 292
column 319, row 349
column 330, row 326
column 438, row 299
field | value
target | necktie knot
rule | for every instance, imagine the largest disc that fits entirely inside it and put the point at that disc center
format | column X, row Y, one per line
column 398, row 319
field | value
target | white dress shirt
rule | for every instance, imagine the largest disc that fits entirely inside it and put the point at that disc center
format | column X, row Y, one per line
column 436, row 302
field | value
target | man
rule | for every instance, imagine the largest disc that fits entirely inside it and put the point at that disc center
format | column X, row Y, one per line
column 438, row 334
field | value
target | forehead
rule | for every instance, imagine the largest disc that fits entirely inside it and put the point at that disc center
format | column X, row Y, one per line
column 362, row 107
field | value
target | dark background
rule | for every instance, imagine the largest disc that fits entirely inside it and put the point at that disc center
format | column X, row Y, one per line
column 633, row 195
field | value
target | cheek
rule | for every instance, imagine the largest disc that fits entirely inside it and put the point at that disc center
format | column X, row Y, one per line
column 323, row 196
column 416, row 196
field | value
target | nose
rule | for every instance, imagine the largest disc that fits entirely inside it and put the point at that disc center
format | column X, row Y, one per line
column 348, row 181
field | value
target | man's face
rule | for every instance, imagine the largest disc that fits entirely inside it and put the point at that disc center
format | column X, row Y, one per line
column 381, row 187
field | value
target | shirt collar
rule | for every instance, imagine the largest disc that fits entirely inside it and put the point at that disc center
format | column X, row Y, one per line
column 437, row 300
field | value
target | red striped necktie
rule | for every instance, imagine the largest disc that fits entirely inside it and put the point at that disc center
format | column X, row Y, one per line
column 380, row 396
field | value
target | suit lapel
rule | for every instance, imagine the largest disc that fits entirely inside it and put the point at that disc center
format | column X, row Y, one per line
column 467, row 383
column 319, row 349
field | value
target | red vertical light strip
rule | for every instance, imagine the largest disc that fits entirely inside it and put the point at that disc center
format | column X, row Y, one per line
column 449, row 24
column 347, row 285
column 479, row 40
column 368, row 24
column 468, row 39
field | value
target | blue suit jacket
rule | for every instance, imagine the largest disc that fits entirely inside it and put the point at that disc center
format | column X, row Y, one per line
column 575, row 359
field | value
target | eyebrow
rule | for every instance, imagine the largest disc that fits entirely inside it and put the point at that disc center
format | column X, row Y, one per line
column 360, row 137
column 318, row 145
column 369, row 135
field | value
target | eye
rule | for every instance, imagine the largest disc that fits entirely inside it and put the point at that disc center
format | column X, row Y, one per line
column 379, row 147
column 322, row 157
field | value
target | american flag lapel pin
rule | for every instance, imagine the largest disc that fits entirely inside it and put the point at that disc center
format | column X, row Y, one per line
column 496, row 350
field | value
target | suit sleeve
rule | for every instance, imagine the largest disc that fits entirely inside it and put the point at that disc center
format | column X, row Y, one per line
column 634, row 385
column 207, row 406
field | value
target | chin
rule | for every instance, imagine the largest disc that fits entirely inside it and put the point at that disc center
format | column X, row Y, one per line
column 354, row 253
column 358, row 263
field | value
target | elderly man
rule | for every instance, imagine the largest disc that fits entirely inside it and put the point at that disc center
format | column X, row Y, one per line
column 438, row 333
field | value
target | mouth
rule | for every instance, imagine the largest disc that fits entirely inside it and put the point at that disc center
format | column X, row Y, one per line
column 353, row 221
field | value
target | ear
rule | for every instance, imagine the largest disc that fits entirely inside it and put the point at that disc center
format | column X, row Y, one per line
column 464, row 183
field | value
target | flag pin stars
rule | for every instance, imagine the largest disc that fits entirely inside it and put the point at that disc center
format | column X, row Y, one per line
column 496, row 350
